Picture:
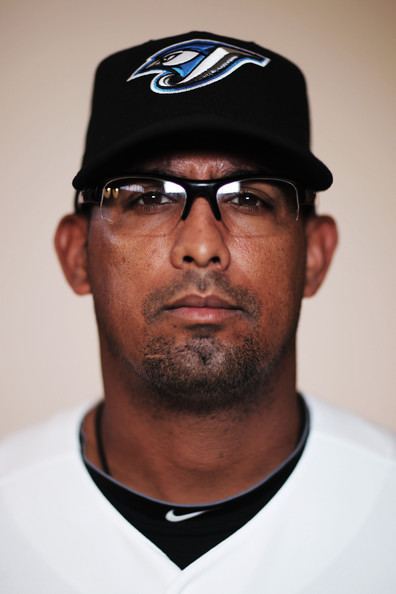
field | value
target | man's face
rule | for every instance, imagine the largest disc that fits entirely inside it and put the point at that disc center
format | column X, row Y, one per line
column 202, row 318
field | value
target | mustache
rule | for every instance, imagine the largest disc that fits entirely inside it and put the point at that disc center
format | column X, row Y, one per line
column 207, row 283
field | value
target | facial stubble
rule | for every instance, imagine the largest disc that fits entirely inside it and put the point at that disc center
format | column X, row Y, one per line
column 205, row 374
column 202, row 374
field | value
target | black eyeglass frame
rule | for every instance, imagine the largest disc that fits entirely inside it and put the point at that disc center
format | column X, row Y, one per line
column 196, row 188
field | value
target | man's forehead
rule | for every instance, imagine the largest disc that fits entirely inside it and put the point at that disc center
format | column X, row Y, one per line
column 193, row 162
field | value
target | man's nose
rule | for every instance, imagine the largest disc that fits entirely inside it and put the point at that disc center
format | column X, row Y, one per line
column 200, row 240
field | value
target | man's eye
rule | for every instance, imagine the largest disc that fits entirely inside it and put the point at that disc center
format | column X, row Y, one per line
column 152, row 199
column 251, row 201
column 145, row 201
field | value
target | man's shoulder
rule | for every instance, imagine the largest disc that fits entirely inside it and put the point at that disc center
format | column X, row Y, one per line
column 40, row 444
column 350, row 431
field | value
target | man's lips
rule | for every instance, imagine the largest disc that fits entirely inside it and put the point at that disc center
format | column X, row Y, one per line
column 206, row 301
column 202, row 309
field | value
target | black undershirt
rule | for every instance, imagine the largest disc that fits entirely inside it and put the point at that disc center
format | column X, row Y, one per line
column 186, row 540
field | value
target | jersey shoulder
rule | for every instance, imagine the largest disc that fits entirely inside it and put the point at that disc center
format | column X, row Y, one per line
column 351, row 431
column 41, row 444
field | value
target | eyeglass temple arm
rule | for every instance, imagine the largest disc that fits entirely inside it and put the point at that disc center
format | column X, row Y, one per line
column 80, row 200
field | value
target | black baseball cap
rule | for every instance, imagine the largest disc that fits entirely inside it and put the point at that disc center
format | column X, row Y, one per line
column 200, row 88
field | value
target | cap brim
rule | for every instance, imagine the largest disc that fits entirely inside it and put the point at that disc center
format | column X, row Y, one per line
column 210, row 131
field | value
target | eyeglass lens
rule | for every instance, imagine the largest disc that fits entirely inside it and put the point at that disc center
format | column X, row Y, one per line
column 151, row 206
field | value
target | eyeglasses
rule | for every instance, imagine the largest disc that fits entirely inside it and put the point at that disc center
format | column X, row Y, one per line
column 153, row 206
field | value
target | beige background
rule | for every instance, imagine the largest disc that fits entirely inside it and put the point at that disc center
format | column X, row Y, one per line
column 49, row 49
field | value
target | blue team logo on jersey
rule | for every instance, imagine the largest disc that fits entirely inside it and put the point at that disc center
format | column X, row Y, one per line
column 193, row 64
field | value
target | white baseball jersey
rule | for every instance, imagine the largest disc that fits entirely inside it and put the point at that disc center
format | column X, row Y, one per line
column 330, row 529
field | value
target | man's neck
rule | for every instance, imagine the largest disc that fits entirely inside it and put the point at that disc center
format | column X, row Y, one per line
column 189, row 459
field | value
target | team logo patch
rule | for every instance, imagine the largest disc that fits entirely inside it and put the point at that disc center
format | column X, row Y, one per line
column 193, row 64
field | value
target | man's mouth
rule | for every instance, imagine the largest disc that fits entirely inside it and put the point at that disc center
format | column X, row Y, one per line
column 204, row 299
column 202, row 309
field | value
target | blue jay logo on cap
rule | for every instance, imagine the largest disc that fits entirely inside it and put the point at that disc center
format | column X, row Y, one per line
column 193, row 64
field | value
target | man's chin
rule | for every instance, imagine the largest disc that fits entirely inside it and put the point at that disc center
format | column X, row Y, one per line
column 203, row 376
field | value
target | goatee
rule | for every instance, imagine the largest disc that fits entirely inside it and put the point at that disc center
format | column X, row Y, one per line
column 203, row 376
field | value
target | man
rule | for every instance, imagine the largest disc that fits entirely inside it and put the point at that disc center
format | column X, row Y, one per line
column 202, row 470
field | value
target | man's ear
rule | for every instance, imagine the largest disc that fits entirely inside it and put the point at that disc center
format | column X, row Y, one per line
column 322, row 238
column 71, row 246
